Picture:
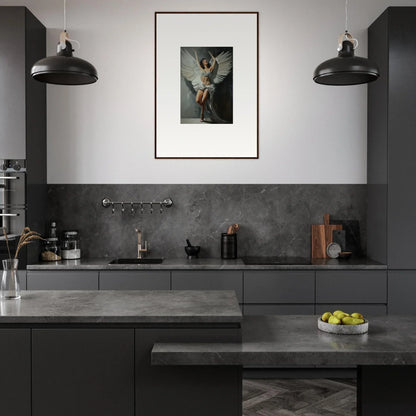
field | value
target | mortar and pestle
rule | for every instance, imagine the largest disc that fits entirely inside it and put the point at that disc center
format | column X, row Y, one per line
column 192, row 251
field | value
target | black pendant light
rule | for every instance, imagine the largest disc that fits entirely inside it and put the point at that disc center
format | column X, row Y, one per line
column 64, row 68
column 346, row 68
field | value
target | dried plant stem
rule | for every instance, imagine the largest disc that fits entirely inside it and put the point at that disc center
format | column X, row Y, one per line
column 7, row 243
column 26, row 238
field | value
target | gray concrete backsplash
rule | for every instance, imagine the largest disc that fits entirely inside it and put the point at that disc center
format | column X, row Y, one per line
column 275, row 220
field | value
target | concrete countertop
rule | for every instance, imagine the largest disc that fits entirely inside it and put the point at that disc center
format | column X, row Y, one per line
column 279, row 341
column 121, row 307
column 208, row 264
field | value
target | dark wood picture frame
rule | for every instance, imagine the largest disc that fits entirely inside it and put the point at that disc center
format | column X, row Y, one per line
column 257, row 84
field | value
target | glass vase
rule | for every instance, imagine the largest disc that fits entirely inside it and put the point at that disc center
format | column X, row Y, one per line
column 10, row 287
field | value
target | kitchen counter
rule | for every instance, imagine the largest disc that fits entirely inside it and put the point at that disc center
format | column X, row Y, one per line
column 88, row 353
column 295, row 341
column 208, row 264
column 121, row 307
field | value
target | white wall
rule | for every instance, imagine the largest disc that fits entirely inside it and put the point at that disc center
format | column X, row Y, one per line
column 103, row 133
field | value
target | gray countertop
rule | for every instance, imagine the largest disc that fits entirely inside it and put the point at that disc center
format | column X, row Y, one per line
column 121, row 307
column 208, row 264
column 279, row 341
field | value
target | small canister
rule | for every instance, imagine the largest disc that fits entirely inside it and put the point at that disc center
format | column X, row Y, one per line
column 50, row 250
column 228, row 246
column 70, row 248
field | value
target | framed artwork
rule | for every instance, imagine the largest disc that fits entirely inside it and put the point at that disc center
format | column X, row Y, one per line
column 206, row 85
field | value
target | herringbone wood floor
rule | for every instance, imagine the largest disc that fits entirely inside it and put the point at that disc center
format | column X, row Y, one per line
column 292, row 397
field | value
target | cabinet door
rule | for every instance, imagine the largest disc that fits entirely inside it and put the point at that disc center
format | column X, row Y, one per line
column 190, row 390
column 83, row 372
column 265, row 309
column 13, row 85
column 22, row 279
column 209, row 280
column 134, row 280
column 373, row 309
column 356, row 286
column 279, row 287
column 15, row 369
column 402, row 292
column 62, row 280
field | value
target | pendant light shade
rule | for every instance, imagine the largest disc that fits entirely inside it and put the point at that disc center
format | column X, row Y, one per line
column 346, row 68
column 64, row 69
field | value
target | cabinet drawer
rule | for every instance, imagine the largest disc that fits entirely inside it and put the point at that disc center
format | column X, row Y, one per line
column 279, row 287
column 279, row 309
column 365, row 309
column 62, row 280
column 209, row 280
column 135, row 280
column 351, row 286
column 402, row 292
column 22, row 279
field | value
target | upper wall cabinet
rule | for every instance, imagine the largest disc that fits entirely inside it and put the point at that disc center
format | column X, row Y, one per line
column 392, row 139
column 22, row 99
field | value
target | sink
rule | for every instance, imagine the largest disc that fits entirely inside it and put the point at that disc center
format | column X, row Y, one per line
column 136, row 261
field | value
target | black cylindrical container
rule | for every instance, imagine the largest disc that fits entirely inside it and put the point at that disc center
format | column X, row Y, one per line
column 228, row 246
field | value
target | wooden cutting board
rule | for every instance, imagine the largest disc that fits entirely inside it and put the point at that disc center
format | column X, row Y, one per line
column 322, row 236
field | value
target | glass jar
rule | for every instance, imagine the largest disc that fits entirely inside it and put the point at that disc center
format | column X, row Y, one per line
column 50, row 250
column 70, row 248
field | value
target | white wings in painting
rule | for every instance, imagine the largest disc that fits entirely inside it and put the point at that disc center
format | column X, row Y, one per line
column 191, row 71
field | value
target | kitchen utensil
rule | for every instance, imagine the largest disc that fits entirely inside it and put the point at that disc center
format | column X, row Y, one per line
column 228, row 246
column 333, row 250
column 192, row 251
column 352, row 235
column 70, row 248
column 322, row 236
column 338, row 236
column 232, row 229
column 343, row 329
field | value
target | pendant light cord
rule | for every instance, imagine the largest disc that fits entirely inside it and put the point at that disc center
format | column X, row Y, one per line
column 346, row 16
column 64, row 15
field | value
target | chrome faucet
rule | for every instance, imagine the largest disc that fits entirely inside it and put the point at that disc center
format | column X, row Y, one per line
column 141, row 251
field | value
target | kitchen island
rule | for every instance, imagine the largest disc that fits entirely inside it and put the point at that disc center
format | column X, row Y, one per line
column 385, row 357
column 89, row 353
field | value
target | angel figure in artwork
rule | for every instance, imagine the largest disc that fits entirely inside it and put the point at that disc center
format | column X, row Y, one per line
column 204, row 76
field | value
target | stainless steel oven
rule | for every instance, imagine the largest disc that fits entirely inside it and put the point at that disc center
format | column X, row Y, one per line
column 12, row 200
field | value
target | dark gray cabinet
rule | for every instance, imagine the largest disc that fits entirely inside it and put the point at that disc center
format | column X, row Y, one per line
column 367, row 309
column 391, row 140
column 279, row 287
column 135, row 280
column 402, row 292
column 183, row 390
column 82, row 372
column 15, row 381
column 23, row 114
column 279, row 309
column 62, row 280
column 355, row 287
column 279, row 292
column 209, row 280
column 19, row 50
column 22, row 279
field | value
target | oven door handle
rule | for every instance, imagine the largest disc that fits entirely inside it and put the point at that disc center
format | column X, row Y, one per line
column 10, row 215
